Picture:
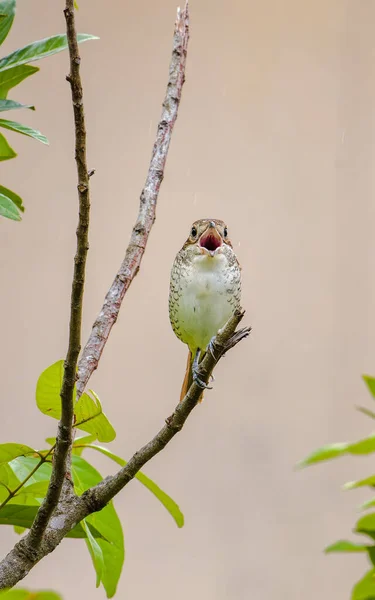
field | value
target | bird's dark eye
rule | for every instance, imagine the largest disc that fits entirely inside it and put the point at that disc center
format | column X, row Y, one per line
column 225, row 232
column 193, row 231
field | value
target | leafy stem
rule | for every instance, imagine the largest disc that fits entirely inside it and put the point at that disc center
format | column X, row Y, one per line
column 12, row 493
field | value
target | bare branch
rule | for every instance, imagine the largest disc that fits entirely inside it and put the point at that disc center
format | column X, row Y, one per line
column 70, row 509
column 22, row 558
column 147, row 207
column 226, row 339
column 65, row 436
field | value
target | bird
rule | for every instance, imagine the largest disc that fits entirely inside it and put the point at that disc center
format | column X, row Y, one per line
column 204, row 292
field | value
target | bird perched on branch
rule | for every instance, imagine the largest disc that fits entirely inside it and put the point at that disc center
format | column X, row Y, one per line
column 205, row 290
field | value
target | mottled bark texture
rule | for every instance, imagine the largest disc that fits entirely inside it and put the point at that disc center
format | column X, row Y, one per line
column 147, row 207
column 64, row 434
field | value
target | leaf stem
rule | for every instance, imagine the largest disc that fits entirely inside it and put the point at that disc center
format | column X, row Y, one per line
column 43, row 459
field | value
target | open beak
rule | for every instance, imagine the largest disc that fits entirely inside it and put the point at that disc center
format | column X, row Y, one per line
column 211, row 239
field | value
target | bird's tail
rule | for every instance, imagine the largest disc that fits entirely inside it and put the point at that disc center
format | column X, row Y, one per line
column 188, row 379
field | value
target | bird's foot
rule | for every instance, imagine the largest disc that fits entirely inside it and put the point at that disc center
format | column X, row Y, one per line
column 213, row 349
column 196, row 372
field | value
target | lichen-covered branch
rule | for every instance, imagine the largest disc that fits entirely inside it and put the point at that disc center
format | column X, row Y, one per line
column 64, row 437
column 147, row 207
column 71, row 511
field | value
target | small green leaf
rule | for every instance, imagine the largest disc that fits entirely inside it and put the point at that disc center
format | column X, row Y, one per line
column 19, row 530
column 368, row 504
column 40, row 49
column 7, row 152
column 7, row 208
column 106, row 522
column 23, row 465
column 7, row 10
column 12, row 77
column 166, row 500
column 370, row 382
column 10, row 451
column 19, row 128
column 22, row 594
column 48, row 390
column 345, row 546
column 88, row 412
column 13, row 197
column 366, row 525
column 365, row 446
column 89, row 417
column 365, row 588
column 13, row 105
column 351, row 485
column 95, row 552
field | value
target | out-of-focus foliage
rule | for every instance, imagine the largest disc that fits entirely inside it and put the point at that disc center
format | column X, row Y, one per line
column 365, row 588
column 14, row 68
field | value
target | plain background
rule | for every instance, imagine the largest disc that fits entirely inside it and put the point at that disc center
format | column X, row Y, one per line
column 275, row 136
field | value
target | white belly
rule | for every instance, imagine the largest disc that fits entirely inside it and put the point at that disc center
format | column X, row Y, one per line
column 203, row 305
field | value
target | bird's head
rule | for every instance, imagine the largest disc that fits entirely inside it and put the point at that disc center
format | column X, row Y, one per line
column 208, row 236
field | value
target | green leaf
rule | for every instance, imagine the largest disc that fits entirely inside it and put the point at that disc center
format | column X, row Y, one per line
column 95, row 552
column 366, row 525
column 48, row 390
column 12, row 196
column 365, row 588
column 106, row 522
column 40, row 49
column 89, row 417
column 7, row 11
column 19, row 530
column 80, row 443
column 7, row 208
column 166, row 500
column 370, row 382
column 7, row 152
column 351, row 485
column 345, row 546
column 10, row 451
column 13, row 105
column 368, row 504
column 8, row 478
column 88, row 412
column 12, row 77
column 23, row 465
column 22, row 594
column 19, row 128
column 365, row 446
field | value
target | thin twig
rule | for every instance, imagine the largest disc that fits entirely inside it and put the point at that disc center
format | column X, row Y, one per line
column 12, row 493
column 146, row 216
column 21, row 558
column 64, row 437
column 226, row 339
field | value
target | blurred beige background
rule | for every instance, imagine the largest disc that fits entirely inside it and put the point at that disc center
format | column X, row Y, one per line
column 275, row 136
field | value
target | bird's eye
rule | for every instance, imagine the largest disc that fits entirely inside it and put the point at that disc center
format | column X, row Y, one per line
column 225, row 232
column 193, row 231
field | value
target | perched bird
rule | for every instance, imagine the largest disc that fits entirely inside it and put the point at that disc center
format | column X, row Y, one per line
column 205, row 290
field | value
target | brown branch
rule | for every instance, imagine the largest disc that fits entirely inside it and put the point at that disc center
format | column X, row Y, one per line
column 71, row 509
column 22, row 558
column 147, row 207
column 65, row 436
column 227, row 338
